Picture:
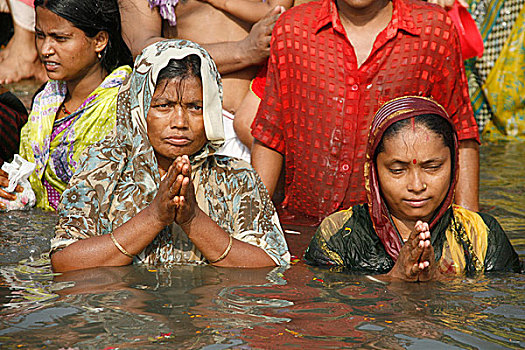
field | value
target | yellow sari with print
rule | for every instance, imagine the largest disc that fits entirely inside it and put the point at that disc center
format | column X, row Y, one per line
column 505, row 88
column 54, row 145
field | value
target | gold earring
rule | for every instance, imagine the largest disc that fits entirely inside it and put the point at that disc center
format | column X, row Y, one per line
column 99, row 55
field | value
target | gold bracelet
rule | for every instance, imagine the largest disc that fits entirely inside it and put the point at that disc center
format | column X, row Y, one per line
column 228, row 248
column 121, row 248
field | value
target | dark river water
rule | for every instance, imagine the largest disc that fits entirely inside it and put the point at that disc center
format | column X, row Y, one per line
column 202, row 307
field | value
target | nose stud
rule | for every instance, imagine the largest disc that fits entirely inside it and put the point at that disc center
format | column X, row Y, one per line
column 424, row 186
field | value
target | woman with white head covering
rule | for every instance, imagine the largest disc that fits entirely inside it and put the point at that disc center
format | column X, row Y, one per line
column 154, row 191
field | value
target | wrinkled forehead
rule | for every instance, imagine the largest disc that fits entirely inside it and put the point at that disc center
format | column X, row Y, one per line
column 178, row 89
column 152, row 60
column 145, row 74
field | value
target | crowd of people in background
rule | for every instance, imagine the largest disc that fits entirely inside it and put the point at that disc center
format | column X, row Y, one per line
column 239, row 116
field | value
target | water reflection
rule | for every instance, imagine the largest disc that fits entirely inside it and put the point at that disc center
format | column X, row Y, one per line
column 198, row 307
column 201, row 307
column 502, row 188
column 341, row 311
column 25, row 234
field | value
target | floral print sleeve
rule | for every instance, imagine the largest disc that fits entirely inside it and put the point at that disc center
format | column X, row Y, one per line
column 248, row 214
column 83, row 212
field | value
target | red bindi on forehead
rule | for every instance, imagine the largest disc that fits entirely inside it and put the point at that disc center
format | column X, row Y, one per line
column 414, row 161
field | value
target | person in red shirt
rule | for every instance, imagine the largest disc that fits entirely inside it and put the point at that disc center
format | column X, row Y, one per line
column 332, row 64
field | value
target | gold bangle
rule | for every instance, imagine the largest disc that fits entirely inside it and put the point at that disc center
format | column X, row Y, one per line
column 121, row 248
column 228, row 248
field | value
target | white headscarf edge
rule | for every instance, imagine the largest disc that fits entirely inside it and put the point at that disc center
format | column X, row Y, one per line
column 212, row 91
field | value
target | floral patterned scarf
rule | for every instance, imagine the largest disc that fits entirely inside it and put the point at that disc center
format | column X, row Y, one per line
column 119, row 176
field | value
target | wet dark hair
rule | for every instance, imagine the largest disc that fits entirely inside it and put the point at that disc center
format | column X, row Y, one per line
column 93, row 16
column 438, row 125
column 189, row 66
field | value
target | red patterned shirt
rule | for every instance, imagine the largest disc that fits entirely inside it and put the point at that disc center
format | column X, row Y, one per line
column 319, row 104
column 259, row 82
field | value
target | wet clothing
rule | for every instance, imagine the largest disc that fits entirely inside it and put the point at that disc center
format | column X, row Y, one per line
column 119, row 176
column 13, row 116
column 319, row 103
column 56, row 145
column 364, row 238
column 463, row 241
column 393, row 111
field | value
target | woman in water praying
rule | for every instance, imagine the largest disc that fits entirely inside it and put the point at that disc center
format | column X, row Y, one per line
column 409, row 229
column 155, row 192
column 86, row 60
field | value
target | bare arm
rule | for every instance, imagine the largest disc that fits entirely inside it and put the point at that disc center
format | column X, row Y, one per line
column 244, row 118
column 268, row 163
column 139, row 232
column 174, row 202
column 254, row 49
column 211, row 240
column 134, row 236
column 247, row 10
column 142, row 26
column 467, row 189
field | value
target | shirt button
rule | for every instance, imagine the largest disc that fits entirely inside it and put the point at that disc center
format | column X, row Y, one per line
column 355, row 87
column 345, row 167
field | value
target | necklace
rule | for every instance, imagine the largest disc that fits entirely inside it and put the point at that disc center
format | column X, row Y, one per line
column 64, row 109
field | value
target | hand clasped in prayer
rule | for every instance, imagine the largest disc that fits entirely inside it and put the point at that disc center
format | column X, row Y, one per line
column 416, row 260
column 175, row 201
